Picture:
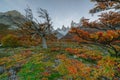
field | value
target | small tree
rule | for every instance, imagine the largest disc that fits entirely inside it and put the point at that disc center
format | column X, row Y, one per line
column 107, row 21
column 41, row 28
column 10, row 41
column 4, row 30
column 101, row 38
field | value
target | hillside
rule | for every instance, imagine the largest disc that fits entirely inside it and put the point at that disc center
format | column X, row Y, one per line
column 39, row 46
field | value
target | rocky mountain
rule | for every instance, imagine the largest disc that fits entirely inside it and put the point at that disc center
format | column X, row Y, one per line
column 61, row 32
column 12, row 18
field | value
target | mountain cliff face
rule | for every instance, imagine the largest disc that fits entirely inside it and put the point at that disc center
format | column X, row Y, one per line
column 11, row 18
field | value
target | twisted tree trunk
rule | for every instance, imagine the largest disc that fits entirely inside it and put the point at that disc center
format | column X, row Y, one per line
column 44, row 44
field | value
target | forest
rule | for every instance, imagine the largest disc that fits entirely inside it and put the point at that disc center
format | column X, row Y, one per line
column 90, row 51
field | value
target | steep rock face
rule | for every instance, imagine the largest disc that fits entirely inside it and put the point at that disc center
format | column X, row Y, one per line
column 12, row 18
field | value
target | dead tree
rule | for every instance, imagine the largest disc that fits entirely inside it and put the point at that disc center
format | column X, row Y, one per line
column 34, row 27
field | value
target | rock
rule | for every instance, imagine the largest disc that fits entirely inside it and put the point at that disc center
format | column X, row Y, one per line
column 75, row 56
column 1, row 70
column 12, row 74
column 57, row 62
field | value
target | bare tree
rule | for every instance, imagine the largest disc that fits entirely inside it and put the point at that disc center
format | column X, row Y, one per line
column 34, row 27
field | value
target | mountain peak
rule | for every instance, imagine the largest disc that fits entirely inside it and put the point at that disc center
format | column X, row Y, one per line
column 11, row 18
column 61, row 32
column 13, row 13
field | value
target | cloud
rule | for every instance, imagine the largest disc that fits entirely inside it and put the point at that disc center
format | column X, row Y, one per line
column 15, row 4
column 62, row 12
column 65, row 20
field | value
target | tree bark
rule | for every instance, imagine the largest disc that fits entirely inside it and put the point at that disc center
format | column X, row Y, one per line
column 44, row 45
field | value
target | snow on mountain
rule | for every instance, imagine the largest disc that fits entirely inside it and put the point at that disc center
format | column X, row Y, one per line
column 64, row 30
column 61, row 32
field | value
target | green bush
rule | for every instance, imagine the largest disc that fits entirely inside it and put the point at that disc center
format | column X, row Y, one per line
column 10, row 41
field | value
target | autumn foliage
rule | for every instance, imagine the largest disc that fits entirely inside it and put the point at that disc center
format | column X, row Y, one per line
column 106, row 21
column 101, row 5
column 105, row 68
column 85, row 53
column 100, row 37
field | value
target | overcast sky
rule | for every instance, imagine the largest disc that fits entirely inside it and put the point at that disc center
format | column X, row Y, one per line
column 62, row 12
